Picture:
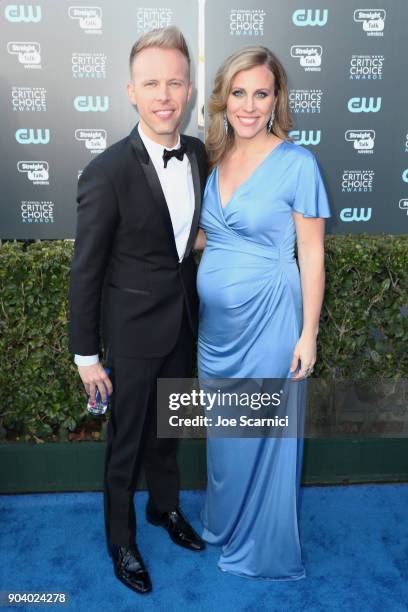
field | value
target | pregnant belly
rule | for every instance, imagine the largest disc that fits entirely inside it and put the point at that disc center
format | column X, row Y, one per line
column 231, row 280
column 250, row 314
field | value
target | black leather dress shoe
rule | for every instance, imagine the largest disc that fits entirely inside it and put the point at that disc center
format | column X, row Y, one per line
column 129, row 568
column 177, row 527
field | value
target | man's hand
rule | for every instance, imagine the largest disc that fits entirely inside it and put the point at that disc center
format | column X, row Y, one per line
column 94, row 376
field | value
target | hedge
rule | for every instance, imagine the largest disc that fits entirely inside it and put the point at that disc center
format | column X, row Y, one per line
column 363, row 328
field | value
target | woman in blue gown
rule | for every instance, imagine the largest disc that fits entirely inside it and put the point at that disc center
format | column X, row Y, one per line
column 258, row 315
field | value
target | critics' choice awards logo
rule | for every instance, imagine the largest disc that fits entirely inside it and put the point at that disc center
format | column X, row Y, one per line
column 32, row 99
column 355, row 214
column 310, row 17
column 305, row 100
column 306, row 137
column 151, row 18
column 310, row 56
column 247, row 22
column 35, row 211
column 36, row 171
column 23, row 13
column 91, row 104
column 363, row 140
column 32, row 136
column 89, row 18
column 405, row 175
column 366, row 67
column 27, row 53
column 372, row 20
column 364, row 105
column 89, row 65
column 94, row 140
column 357, row 181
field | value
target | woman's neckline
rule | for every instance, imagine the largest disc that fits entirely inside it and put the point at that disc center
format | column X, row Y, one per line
column 255, row 170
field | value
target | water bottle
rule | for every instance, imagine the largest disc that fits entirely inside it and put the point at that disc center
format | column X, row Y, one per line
column 99, row 407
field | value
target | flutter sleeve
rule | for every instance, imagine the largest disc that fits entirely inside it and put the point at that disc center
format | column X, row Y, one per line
column 310, row 193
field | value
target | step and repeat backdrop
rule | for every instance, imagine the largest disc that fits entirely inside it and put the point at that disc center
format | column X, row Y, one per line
column 64, row 68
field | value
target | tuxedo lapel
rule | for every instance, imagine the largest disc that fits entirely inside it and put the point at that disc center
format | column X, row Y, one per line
column 155, row 187
column 197, row 195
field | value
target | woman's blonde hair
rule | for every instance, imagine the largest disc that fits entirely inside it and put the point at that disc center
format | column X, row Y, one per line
column 218, row 143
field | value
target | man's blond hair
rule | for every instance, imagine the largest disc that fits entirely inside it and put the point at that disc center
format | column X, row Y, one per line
column 163, row 38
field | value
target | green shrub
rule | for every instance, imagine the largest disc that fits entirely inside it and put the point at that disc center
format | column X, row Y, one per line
column 363, row 328
column 364, row 321
column 40, row 390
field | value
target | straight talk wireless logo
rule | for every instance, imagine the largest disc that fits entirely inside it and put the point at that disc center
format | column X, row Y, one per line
column 371, row 20
column 93, row 139
column 309, row 56
column 363, row 140
column 27, row 53
column 403, row 205
column 89, row 18
column 37, row 172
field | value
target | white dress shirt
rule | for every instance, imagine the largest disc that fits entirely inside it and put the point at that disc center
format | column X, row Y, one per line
column 177, row 184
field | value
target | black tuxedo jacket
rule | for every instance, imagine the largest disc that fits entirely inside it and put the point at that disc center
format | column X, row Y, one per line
column 125, row 277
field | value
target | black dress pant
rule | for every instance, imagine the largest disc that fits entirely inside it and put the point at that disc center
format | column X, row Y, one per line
column 132, row 437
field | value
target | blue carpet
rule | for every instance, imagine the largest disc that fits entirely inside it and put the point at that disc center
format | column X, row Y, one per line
column 354, row 539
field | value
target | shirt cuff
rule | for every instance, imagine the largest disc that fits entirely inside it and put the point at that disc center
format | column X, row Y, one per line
column 86, row 360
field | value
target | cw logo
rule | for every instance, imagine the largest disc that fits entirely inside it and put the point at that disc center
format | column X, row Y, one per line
column 355, row 214
column 364, row 105
column 17, row 13
column 405, row 175
column 310, row 17
column 30, row 136
column 303, row 137
column 94, row 104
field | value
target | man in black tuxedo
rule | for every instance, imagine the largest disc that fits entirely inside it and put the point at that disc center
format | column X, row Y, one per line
column 133, row 271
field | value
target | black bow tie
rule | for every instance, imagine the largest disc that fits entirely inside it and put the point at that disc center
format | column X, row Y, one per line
column 168, row 154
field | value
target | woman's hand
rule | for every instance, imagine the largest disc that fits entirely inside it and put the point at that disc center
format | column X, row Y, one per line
column 305, row 353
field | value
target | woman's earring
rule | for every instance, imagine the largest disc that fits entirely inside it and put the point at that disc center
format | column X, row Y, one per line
column 270, row 122
column 225, row 122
